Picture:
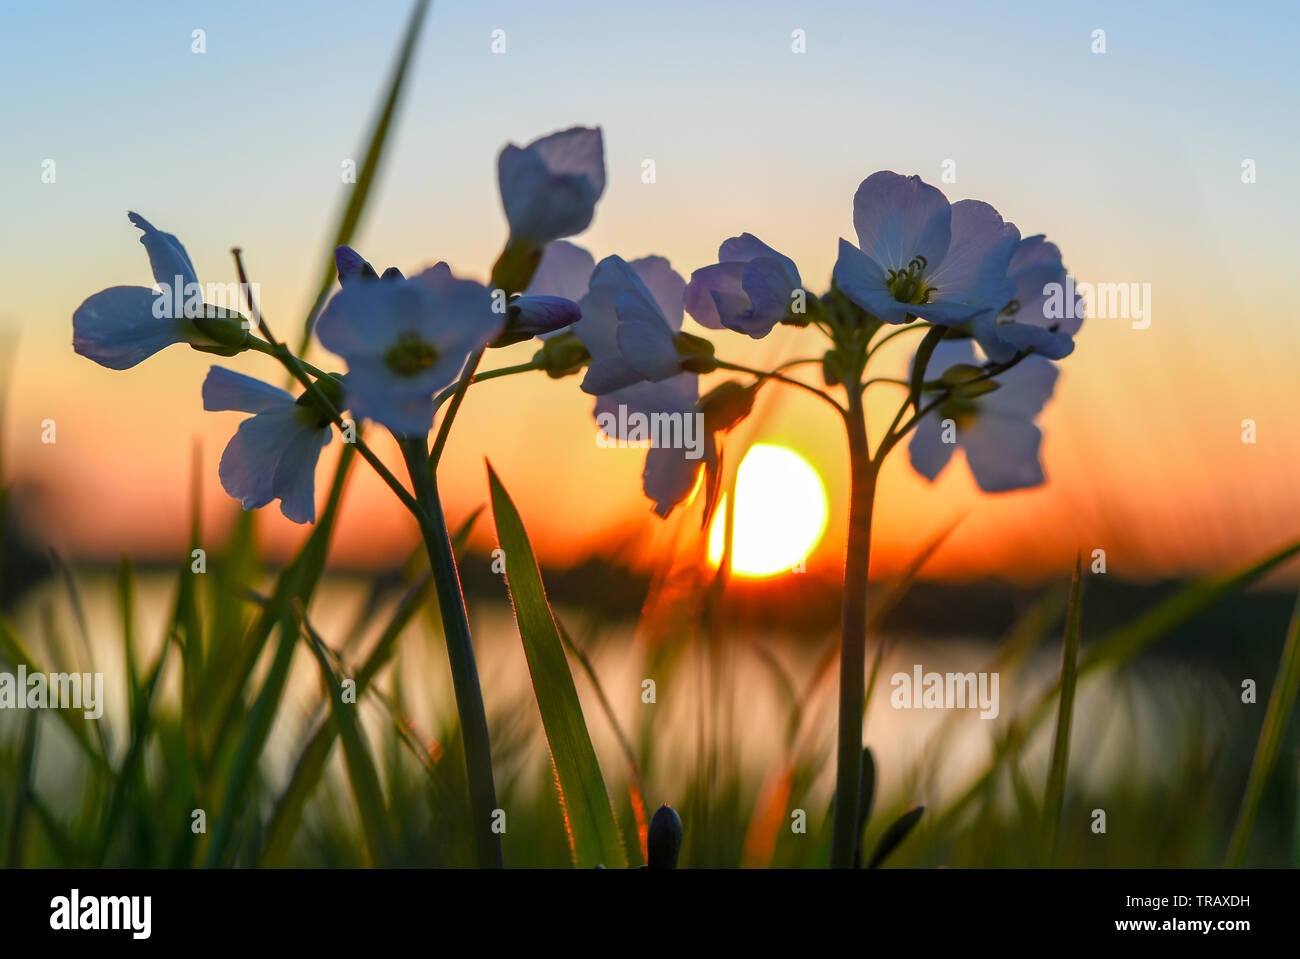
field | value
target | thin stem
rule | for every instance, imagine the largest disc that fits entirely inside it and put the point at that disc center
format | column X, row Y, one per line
column 450, row 391
column 460, row 652
column 884, row 379
column 910, row 328
column 444, row 428
column 853, row 642
column 261, row 346
column 773, row 375
column 298, row 369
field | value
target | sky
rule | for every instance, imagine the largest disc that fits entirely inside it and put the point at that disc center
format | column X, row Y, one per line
column 1130, row 160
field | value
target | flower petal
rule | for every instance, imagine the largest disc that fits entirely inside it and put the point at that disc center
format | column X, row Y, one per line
column 720, row 278
column 974, row 270
column 901, row 217
column 669, row 475
column 248, row 465
column 1023, row 389
column 295, row 474
column 351, row 265
column 862, row 280
column 117, row 327
column 665, row 285
column 643, row 338
column 225, row 389
column 1002, row 452
column 927, row 450
column 167, row 257
column 677, row 394
column 565, row 270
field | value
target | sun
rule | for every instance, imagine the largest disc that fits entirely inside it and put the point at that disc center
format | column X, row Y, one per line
column 781, row 512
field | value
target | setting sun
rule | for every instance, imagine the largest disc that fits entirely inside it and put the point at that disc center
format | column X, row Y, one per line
column 781, row 512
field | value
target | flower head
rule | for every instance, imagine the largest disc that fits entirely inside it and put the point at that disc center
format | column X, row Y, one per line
column 124, row 325
column 406, row 339
column 919, row 255
column 631, row 318
column 996, row 429
column 549, row 188
column 748, row 290
column 273, row 454
column 1045, row 311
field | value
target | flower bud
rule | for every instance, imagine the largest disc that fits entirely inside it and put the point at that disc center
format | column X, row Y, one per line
column 664, row 841
column 562, row 356
column 226, row 329
column 696, row 353
column 726, row 405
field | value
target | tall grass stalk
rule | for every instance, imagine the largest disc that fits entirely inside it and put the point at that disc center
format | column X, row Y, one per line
column 460, row 652
column 1280, row 703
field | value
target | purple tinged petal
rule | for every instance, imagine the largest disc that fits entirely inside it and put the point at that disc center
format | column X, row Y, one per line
column 225, row 389
column 670, row 476
column 247, row 467
column 167, row 257
column 974, row 271
column 577, row 151
column 351, row 265
column 565, row 270
column 927, row 450
column 862, row 280
column 901, row 217
column 677, row 394
column 536, row 314
column 701, row 297
column 117, row 327
column 1002, row 452
column 295, row 474
column 643, row 338
column 665, row 286
column 549, row 189
column 1023, row 390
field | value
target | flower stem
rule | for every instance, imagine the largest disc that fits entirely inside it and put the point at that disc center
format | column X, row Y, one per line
column 774, row 375
column 853, row 643
column 460, row 651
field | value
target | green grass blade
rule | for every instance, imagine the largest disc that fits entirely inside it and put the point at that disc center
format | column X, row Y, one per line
column 1281, row 701
column 13, row 651
column 369, row 166
column 140, row 728
column 1054, row 800
column 311, row 762
column 1120, row 645
column 894, row 835
column 23, row 794
column 588, row 815
column 126, row 604
column 298, row 579
column 366, row 791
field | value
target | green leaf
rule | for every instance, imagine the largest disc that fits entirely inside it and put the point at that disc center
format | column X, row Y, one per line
column 895, row 835
column 588, row 815
column 362, row 775
column 1054, row 800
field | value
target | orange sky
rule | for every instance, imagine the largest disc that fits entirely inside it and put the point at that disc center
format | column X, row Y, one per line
column 1131, row 162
